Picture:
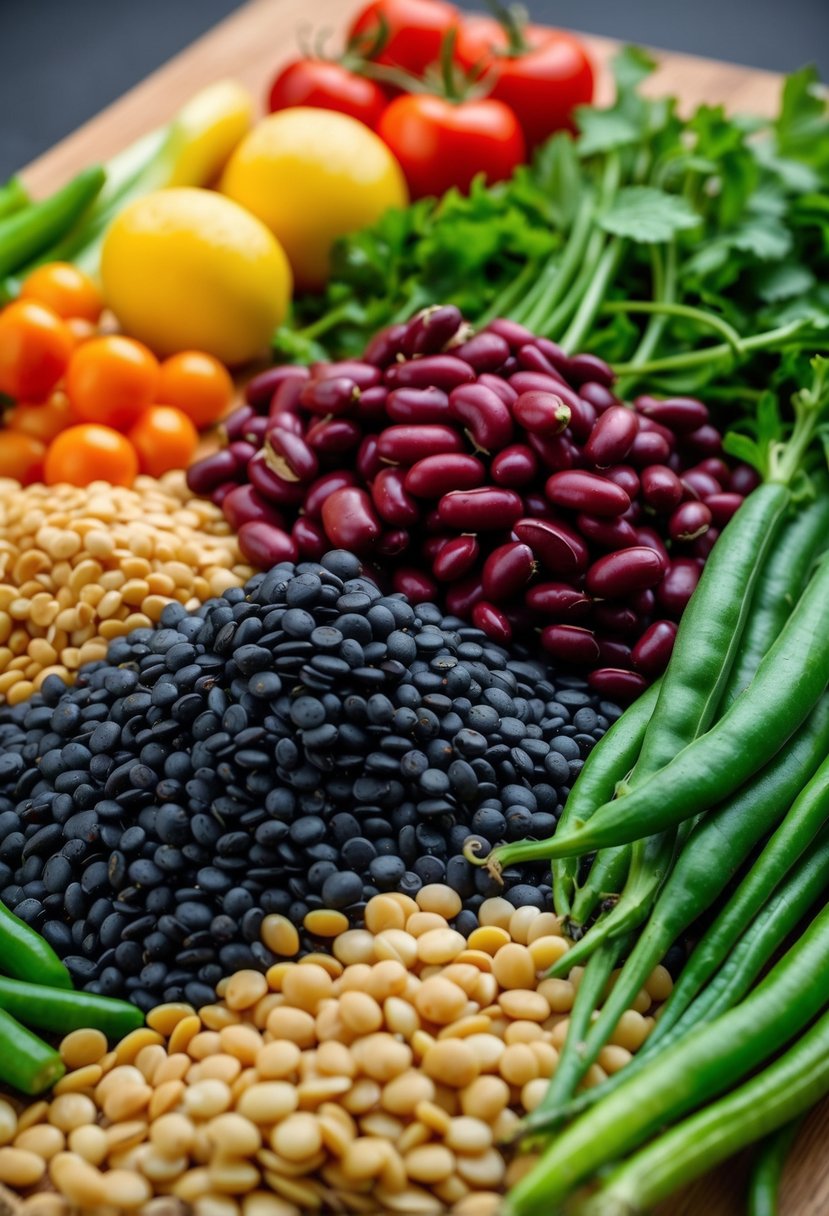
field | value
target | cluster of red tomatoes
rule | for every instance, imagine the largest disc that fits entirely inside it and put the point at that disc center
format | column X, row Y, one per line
column 504, row 88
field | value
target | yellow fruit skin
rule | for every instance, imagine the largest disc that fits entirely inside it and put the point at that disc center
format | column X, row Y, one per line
column 312, row 176
column 206, row 130
column 187, row 269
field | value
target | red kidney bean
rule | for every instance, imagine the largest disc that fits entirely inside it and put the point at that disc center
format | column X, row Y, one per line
column 680, row 414
column 744, row 479
column 417, row 405
column 688, row 521
column 393, row 502
column 582, row 418
column 559, row 548
column 717, row 469
column 589, row 492
column 367, row 461
column 723, row 506
column 599, row 396
column 417, row 587
column 614, row 654
column 433, row 523
column 618, row 574
column 552, row 351
column 501, row 387
column 699, row 484
column 242, row 452
column 430, row 330
column 507, row 571
column 257, row 428
column 363, row 374
column 432, row 371
column 290, row 456
column 675, row 462
column 661, row 488
column 284, row 418
column 533, row 360
column 678, row 585
column 607, row 533
column 209, row 472
column 626, row 477
column 648, row 426
column 309, row 538
column 384, row 347
column 331, row 436
column 372, row 404
column 541, row 413
column 268, row 482
column 616, row 619
column 350, row 521
column 634, row 513
column 703, row 545
column 616, row 684
column 570, row 644
column 492, row 621
column 484, row 352
column 651, row 653
column 706, row 441
column 218, row 496
column 243, row 505
column 393, row 542
column 557, row 453
column 580, row 368
column 527, row 382
column 406, row 444
column 265, row 545
column 463, row 595
column 514, row 466
column 456, row 558
column 260, row 390
column 233, row 425
column 612, row 436
column 537, row 507
column 435, row 475
column 488, row 421
column 487, row 509
column 643, row 603
column 337, row 396
column 649, row 448
column 559, row 601
column 433, row 545
column 514, row 335
column 323, row 487
column 651, row 539
column 285, row 401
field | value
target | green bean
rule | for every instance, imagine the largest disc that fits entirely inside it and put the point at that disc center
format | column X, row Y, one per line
column 13, row 197
column 603, row 882
column 60, row 1011
column 26, row 232
column 788, row 683
column 25, row 955
column 26, row 1063
column 781, row 1092
column 809, row 812
column 767, row 1170
column 681, row 1078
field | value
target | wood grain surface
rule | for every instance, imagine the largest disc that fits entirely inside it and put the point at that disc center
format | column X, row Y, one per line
column 250, row 46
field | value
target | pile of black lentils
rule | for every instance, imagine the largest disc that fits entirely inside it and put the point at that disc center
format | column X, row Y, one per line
column 303, row 742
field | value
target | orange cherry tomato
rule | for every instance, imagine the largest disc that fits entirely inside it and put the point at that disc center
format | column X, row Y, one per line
column 88, row 453
column 164, row 439
column 45, row 421
column 197, row 384
column 112, row 380
column 21, row 457
column 35, row 347
column 65, row 289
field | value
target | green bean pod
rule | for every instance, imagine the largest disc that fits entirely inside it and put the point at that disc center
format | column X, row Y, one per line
column 60, row 1011
column 788, row 683
column 13, row 197
column 26, row 1063
column 25, row 955
column 767, row 1170
column 781, row 1092
column 681, row 1078
column 26, row 232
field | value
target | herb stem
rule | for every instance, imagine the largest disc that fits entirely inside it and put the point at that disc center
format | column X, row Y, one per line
column 686, row 311
column 329, row 320
column 564, row 272
column 697, row 358
column 508, row 302
column 591, row 301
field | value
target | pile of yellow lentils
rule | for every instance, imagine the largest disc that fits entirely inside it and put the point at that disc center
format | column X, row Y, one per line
column 382, row 1076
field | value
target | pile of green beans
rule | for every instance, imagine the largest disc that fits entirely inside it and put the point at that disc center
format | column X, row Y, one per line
column 36, row 991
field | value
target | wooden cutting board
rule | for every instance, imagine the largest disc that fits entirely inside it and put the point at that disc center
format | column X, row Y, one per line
column 250, row 46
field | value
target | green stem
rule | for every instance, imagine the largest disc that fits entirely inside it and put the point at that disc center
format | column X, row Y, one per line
column 664, row 292
column 504, row 304
column 698, row 358
column 580, row 326
column 686, row 311
column 552, row 325
column 329, row 320
column 562, row 274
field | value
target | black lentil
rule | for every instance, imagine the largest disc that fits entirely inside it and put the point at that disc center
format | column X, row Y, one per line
column 303, row 742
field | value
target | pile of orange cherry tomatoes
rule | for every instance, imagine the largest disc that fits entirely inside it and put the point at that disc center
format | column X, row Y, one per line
column 87, row 405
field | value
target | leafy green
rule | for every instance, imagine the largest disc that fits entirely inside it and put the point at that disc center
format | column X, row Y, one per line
column 646, row 214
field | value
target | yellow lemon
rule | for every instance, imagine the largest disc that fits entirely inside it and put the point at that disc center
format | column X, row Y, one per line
column 312, row 176
column 187, row 269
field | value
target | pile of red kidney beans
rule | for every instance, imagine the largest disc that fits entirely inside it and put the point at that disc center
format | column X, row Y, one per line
column 494, row 474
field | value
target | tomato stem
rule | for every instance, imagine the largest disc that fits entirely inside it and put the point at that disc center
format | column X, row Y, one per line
column 513, row 20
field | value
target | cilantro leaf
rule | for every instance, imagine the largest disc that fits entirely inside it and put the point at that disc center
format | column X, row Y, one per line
column 649, row 215
column 783, row 281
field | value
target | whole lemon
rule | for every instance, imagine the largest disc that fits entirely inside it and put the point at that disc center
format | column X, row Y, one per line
column 187, row 269
column 312, row 176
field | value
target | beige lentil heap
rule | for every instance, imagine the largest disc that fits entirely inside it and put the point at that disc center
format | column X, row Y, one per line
column 79, row 567
column 370, row 1079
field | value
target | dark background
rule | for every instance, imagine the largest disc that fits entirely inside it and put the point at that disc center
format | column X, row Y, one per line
column 63, row 60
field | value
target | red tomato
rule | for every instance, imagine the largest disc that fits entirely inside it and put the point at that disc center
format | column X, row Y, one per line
column 542, row 84
column 326, row 85
column 442, row 143
column 415, row 31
